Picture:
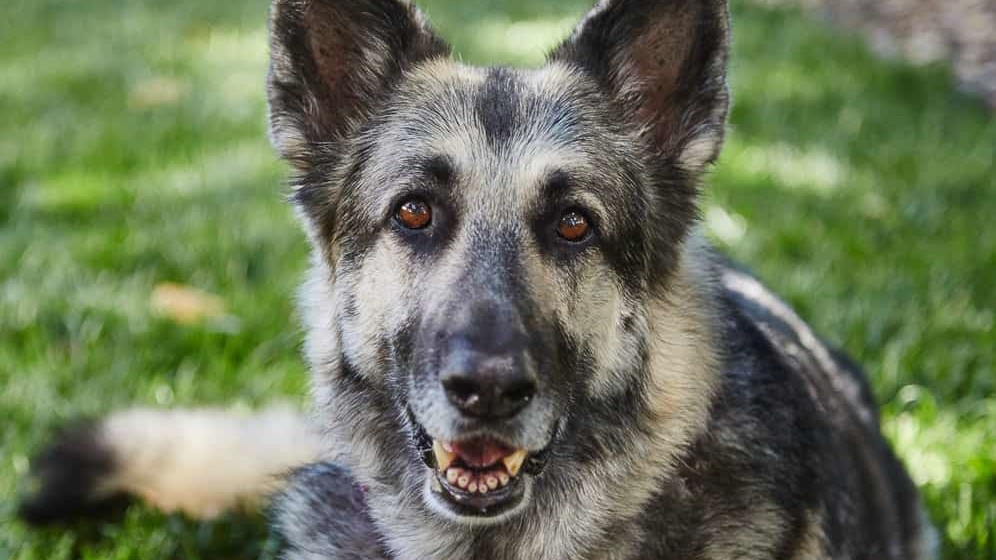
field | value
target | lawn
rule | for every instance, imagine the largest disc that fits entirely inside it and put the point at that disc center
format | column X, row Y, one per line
column 133, row 153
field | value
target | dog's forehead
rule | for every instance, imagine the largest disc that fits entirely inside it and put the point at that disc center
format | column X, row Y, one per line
column 503, row 130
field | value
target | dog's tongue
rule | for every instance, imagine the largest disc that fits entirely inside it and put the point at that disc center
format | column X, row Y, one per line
column 480, row 452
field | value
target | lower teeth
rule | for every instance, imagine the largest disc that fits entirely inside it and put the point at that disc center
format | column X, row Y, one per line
column 475, row 482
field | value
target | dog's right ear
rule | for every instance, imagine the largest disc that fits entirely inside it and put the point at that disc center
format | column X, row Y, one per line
column 331, row 63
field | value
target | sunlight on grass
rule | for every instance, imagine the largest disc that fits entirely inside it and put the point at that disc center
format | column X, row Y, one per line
column 523, row 43
column 226, row 169
column 813, row 169
column 231, row 65
column 943, row 449
column 728, row 227
column 78, row 191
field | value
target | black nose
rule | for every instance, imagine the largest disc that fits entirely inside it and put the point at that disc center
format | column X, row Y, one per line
column 487, row 387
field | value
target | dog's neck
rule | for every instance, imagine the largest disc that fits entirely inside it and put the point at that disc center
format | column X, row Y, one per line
column 576, row 507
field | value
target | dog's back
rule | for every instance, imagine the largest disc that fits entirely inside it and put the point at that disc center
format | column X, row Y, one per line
column 793, row 448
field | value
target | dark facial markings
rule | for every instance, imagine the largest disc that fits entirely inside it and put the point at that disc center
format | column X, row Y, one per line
column 563, row 222
column 439, row 168
column 636, row 235
column 423, row 213
column 432, row 196
column 497, row 107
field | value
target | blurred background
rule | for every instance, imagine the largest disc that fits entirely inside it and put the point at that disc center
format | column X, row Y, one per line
column 147, row 255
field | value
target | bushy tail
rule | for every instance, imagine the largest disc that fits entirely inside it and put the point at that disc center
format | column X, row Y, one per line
column 201, row 462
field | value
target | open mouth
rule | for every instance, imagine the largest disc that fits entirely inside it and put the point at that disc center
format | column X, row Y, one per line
column 478, row 477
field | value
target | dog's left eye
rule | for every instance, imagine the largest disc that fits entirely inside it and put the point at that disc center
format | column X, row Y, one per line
column 414, row 213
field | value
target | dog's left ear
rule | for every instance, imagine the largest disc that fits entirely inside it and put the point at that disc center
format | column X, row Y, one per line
column 664, row 61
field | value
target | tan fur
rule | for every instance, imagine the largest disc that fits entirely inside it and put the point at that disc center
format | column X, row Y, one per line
column 685, row 374
column 813, row 543
column 203, row 462
column 758, row 540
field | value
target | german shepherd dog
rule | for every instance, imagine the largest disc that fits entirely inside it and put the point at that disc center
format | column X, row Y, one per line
column 521, row 345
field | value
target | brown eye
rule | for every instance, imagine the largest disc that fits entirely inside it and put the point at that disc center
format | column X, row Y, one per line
column 573, row 226
column 414, row 214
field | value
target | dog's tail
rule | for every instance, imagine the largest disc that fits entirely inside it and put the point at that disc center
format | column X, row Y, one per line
column 201, row 462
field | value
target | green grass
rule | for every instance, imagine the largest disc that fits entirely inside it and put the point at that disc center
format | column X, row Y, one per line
column 133, row 152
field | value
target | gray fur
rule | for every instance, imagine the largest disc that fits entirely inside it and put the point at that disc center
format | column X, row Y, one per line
column 682, row 410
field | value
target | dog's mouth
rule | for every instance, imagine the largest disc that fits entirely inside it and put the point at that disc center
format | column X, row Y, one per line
column 480, row 477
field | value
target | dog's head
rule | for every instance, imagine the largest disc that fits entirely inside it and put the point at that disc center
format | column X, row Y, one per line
column 485, row 240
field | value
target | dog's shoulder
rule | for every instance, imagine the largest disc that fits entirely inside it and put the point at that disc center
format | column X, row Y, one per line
column 764, row 324
column 793, row 459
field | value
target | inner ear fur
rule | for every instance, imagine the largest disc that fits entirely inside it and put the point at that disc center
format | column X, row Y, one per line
column 331, row 63
column 665, row 62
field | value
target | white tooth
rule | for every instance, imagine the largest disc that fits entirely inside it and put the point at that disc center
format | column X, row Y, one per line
column 462, row 481
column 483, row 488
column 514, row 461
column 503, row 479
column 472, row 488
column 444, row 458
column 492, row 482
column 452, row 475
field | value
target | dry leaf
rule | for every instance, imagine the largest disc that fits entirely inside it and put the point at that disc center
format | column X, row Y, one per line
column 186, row 305
column 155, row 93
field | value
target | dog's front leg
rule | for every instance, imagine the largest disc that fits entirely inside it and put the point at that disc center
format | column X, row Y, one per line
column 323, row 516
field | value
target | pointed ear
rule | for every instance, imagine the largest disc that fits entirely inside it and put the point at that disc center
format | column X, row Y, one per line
column 665, row 62
column 331, row 63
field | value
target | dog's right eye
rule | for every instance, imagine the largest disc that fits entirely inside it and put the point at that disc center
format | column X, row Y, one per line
column 573, row 226
column 414, row 213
